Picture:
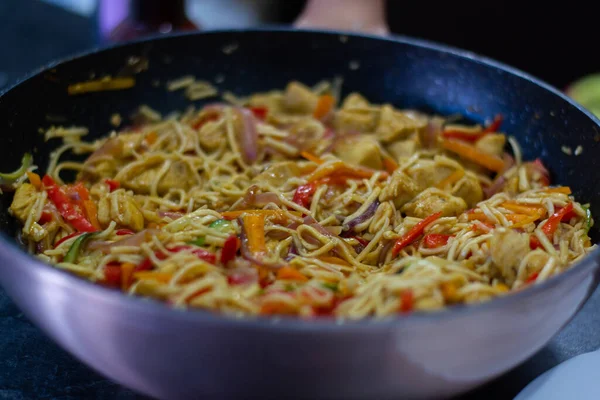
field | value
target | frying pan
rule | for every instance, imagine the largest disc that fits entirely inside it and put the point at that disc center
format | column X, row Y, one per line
column 195, row 354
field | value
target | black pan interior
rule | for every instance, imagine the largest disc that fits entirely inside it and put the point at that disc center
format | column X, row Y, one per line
column 401, row 71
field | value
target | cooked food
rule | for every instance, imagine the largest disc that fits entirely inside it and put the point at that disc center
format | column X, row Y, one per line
column 297, row 202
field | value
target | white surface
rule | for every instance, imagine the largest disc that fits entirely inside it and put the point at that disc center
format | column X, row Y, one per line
column 577, row 378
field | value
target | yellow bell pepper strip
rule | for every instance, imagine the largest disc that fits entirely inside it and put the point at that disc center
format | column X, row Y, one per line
column 254, row 224
column 162, row 277
column 10, row 177
column 451, row 179
column 414, row 233
column 290, row 274
column 560, row 189
column 324, row 106
column 100, row 85
column 471, row 153
column 65, row 207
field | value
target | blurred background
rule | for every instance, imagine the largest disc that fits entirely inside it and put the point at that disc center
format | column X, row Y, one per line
column 556, row 44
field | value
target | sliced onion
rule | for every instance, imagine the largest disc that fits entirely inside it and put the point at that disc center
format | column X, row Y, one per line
column 369, row 212
column 509, row 161
column 254, row 199
column 248, row 136
column 242, row 275
column 131, row 240
column 431, row 133
column 112, row 147
column 495, row 187
column 170, row 214
column 384, row 252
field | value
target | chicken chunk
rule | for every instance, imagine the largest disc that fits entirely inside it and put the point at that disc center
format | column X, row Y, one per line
column 299, row 99
column 360, row 150
column 492, row 143
column 402, row 148
column 23, row 201
column 401, row 189
column 433, row 200
column 469, row 189
column 394, row 125
column 508, row 248
column 178, row 176
column 211, row 135
column 355, row 100
column 278, row 174
column 363, row 121
column 428, row 173
column 121, row 208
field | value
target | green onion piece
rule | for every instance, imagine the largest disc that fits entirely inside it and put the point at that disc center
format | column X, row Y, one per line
column 198, row 242
column 222, row 225
column 76, row 247
column 330, row 286
column 588, row 219
column 10, row 177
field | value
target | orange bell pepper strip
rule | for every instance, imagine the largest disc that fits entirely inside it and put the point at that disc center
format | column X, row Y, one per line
column 254, row 224
column 324, row 106
column 311, row 157
column 34, row 179
column 451, row 179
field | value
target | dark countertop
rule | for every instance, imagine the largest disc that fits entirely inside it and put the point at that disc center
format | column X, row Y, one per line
column 32, row 366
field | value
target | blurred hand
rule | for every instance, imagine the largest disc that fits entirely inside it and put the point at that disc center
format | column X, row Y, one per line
column 365, row 16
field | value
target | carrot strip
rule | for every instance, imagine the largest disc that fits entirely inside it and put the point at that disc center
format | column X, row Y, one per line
column 389, row 164
column 311, row 157
column 471, row 153
column 324, row 106
column 519, row 208
column 451, row 179
column 290, row 274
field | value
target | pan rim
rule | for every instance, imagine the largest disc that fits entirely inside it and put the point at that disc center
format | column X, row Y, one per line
column 140, row 304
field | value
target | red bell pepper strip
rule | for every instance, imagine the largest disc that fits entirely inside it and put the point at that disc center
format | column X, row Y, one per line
column 112, row 184
column 65, row 207
column 229, row 249
column 407, row 299
column 260, row 112
column 551, row 225
column 532, row 277
column 123, row 232
column 495, row 125
column 435, row 240
column 414, row 233
column 304, row 193
column 64, row 239
column 112, row 275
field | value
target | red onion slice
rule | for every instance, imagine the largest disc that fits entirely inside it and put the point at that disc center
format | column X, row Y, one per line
column 248, row 136
column 369, row 212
